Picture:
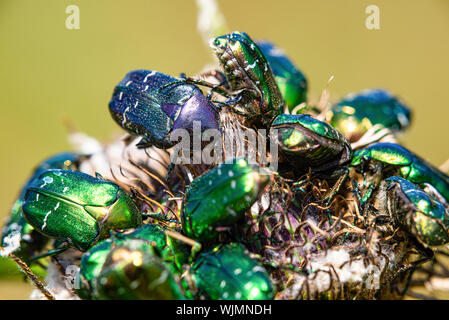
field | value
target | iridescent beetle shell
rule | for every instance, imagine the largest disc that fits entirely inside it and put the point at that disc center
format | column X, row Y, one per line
column 132, row 270
column 78, row 208
column 250, row 77
column 309, row 143
column 418, row 212
column 170, row 250
column 290, row 80
column 90, row 267
column 355, row 114
column 32, row 242
column 152, row 105
column 397, row 160
column 230, row 190
column 229, row 273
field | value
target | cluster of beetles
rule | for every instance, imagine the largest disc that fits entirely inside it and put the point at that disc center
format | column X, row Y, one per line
column 215, row 244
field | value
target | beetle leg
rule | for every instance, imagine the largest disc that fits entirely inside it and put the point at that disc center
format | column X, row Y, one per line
column 159, row 216
column 216, row 88
column 222, row 104
column 332, row 192
column 367, row 195
column 223, row 82
column 51, row 253
column 356, row 191
column 370, row 186
column 427, row 253
column 230, row 104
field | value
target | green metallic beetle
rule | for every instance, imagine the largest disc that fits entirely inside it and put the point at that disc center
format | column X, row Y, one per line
column 75, row 207
column 390, row 159
column 133, row 271
column 170, row 250
column 30, row 241
column 355, row 114
column 290, row 80
column 256, row 95
column 91, row 264
column 309, row 143
column 127, row 269
column 229, row 273
column 416, row 211
column 230, row 190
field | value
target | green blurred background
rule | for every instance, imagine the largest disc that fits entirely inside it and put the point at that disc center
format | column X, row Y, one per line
column 48, row 72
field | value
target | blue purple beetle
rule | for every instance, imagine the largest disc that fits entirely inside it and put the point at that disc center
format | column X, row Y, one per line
column 152, row 105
